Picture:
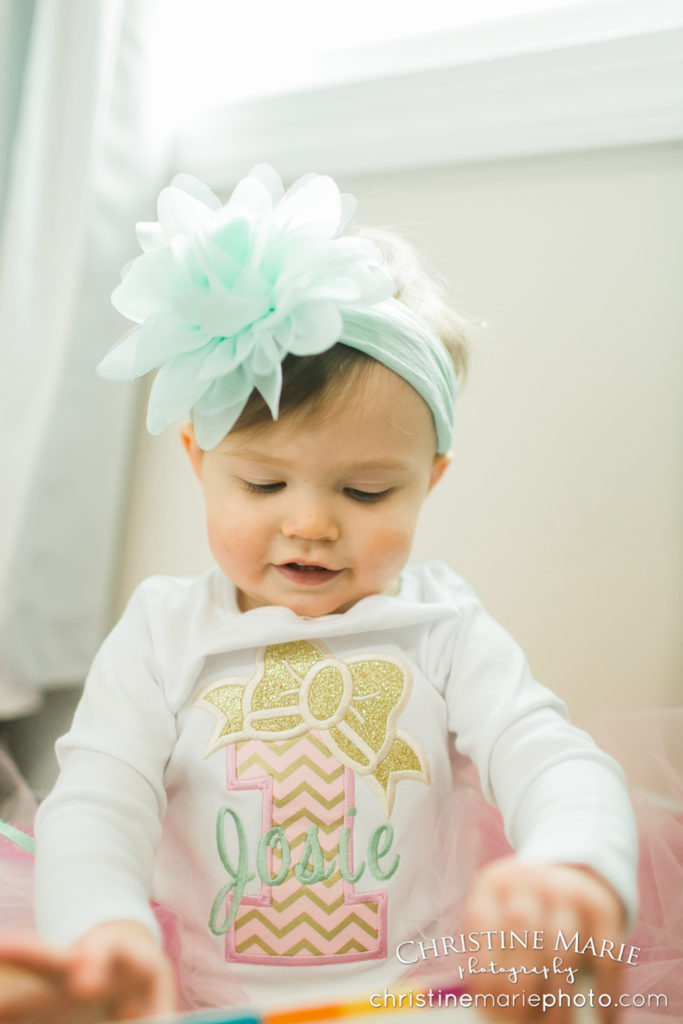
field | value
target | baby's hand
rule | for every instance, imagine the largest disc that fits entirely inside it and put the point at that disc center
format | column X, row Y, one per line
column 115, row 972
column 119, row 963
column 511, row 895
column 33, row 985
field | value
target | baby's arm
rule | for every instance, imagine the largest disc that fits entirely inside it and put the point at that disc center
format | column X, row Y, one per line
column 115, row 972
column 564, row 803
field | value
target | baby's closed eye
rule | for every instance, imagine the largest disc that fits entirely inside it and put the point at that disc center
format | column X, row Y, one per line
column 256, row 488
column 367, row 496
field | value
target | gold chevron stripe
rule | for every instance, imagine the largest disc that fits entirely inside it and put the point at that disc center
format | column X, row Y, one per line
column 304, row 761
column 304, row 817
column 325, row 933
column 306, row 787
column 319, row 743
column 280, row 747
column 353, row 946
column 306, row 893
column 305, row 814
column 303, row 945
column 299, row 838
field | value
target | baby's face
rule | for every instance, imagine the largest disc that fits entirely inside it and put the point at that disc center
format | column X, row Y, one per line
column 315, row 514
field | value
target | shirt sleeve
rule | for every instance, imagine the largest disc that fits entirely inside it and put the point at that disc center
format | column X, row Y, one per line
column 98, row 831
column 563, row 800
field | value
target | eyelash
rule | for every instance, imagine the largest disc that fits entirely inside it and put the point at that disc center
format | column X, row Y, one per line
column 262, row 488
column 366, row 497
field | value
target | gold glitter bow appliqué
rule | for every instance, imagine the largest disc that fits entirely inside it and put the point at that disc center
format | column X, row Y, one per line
column 354, row 704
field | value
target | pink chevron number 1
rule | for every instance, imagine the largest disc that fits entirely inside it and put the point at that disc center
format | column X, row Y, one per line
column 304, row 788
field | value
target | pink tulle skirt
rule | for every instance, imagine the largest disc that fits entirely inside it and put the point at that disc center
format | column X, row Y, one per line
column 649, row 745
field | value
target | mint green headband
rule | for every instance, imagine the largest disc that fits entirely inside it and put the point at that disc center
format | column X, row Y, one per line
column 221, row 294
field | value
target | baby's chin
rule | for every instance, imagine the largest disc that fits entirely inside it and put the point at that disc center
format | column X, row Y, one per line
column 333, row 608
column 311, row 605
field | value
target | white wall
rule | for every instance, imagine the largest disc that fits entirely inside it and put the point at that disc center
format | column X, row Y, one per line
column 564, row 503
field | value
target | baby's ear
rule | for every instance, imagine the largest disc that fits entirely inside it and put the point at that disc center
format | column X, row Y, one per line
column 439, row 467
column 194, row 452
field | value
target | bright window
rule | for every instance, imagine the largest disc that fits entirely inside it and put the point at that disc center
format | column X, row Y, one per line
column 215, row 52
column 367, row 86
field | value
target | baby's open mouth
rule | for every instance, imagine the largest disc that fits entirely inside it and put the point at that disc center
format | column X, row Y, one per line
column 301, row 572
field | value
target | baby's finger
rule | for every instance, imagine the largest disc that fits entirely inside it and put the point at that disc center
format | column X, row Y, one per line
column 27, row 950
column 143, row 990
column 90, row 973
column 29, row 998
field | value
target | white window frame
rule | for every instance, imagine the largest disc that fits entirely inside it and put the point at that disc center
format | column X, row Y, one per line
column 590, row 75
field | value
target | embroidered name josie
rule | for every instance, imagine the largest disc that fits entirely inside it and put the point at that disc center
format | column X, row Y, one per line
column 311, row 867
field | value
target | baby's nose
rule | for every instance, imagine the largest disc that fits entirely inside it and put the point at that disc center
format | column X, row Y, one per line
column 310, row 519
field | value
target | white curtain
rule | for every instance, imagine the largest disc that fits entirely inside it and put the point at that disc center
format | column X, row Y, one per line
column 78, row 165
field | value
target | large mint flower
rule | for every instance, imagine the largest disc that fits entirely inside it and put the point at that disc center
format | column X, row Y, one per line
column 221, row 294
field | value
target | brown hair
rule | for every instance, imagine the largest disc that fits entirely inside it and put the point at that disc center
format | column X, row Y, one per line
column 307, row 383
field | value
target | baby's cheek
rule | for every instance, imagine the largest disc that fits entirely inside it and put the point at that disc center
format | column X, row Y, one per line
column 229, row 540
column 390, row 546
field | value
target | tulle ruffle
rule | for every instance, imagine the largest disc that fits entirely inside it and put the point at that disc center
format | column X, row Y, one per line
column 649, row 747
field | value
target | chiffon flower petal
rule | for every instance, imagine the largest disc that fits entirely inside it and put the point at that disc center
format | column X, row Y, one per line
column 144, row 348
column 270, row 179
column 222, row 293
column 194, row 187
column 251, row 196
column 316, row 206
column 314, row 324
column 211, row 429
column 180, row 213
column 223, row 392
column 269, row 384
column 175, row 390
column 149, row 235
column 119, row 362
column 163, row 337
column 149, row 285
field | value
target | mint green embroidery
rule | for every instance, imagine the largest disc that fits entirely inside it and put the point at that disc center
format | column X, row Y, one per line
column 313, row 853
column 240, row 877
column 375, row 854
column 310, row 869
column 273, row 837
column 344, row 868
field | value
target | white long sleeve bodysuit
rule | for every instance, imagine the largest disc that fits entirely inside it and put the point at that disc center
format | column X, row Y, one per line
column 277, row 781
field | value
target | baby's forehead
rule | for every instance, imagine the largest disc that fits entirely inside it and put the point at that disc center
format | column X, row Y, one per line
column 383, row 423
